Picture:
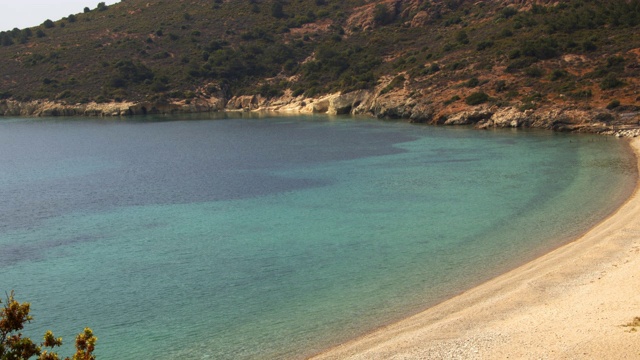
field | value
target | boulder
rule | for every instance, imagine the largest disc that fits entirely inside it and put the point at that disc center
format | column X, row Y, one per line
column 422, row 113
column 505, row 118
column 469, row 117
column 344, row 103
column 244, row 102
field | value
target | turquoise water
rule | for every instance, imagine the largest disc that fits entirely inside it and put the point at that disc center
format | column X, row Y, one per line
column 277, row 237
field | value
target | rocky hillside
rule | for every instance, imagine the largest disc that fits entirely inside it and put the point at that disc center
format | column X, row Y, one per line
column 570, row 65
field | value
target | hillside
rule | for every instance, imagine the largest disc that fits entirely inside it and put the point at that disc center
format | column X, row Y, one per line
column 429, row 60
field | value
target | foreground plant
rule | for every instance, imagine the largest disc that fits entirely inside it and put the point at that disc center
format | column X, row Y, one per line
column 14, row 346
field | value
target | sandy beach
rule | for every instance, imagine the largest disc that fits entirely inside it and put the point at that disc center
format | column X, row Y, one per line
column 576, row 302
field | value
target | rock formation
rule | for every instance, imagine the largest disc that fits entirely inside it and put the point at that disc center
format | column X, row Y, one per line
column 390, row 105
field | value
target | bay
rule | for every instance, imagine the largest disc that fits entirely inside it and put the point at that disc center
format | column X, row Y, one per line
column 234, row 237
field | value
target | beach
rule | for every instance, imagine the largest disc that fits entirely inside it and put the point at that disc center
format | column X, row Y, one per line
column 576, row 302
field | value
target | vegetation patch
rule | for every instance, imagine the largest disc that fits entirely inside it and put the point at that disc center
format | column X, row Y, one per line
column 13, row 345
column 476, row 98
column 613, row 104
column 398, row 81
column 147, row 50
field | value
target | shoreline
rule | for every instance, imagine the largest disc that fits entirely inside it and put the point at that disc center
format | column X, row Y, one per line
column 620, row 122
column 572, row 302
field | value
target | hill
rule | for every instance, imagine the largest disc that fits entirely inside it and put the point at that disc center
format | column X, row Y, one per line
column 440, row 61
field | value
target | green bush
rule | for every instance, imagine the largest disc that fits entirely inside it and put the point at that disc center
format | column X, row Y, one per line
column 161, row 55
column 508, row 12
column 476, row 98
column 534, row 72
column 462, row 37
column 453, row 21
column 610, row 82
column 14, row 346
column 484, row 45
column 505, row 33
column 396, row 82
column 581, row 94
column 527, row 106
column 542, row 49
column 431, row 69
column 500, row 86
column 557, row 74
column 277, row 10
column 458, row 65
column 5, row 39
column 133, row 72
column 589, row 46
column 382, row 15
column 613, row 104
column 514, row 54
column 616, row 62
column 473, row 82
column 519, row 64
column 453, row 99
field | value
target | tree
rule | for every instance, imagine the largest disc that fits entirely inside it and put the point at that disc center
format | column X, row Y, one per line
column 462, row 37
column 277, row 10
column 5, row 39
column 610, row 82
column 382, row 16
column 14, row 346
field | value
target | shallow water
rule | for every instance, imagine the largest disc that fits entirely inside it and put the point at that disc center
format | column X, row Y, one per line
column 277, row 237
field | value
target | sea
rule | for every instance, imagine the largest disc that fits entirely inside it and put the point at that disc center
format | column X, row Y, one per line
column 262, row 236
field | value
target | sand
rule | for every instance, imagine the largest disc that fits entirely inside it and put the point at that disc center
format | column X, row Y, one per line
column 572, row 303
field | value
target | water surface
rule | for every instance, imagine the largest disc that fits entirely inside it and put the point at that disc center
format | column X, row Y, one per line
column 276, row 237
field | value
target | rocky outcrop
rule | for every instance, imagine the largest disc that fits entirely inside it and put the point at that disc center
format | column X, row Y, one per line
column 571, row 119
column 421, row 19
column 364, row 17
column 245, row 102
column 422, row 112
column 360, row 102
column 51, row 108
column 468, row 117
column 397, row 104
column 337, row 104
column 623, row 133
column 509, row 117
column 561, row 119
column 391, row 106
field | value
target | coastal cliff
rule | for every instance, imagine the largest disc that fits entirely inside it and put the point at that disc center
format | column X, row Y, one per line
column 126, row 108
column 621, row 121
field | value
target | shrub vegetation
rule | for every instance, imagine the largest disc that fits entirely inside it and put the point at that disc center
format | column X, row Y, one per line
column 14, row 346
column 122, row 51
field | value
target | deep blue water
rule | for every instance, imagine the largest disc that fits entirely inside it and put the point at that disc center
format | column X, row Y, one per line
column 276, row 237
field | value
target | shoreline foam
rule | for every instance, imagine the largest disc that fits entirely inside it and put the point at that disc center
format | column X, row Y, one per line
column 572, row 302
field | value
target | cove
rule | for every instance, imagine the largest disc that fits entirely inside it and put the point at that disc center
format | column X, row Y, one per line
column 277, row 237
